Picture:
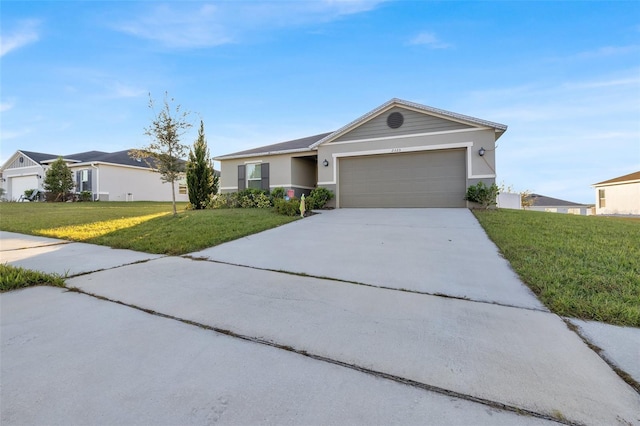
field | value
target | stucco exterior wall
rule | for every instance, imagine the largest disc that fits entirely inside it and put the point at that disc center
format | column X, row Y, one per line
column 303, row 173
column 132, row 184
column 623, row 198
column 478, row 168
column 279, row 171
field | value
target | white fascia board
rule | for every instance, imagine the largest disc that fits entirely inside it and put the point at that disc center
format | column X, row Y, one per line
column 626, row 182
column 97, row 163
column 67, row 160
column 264, row 154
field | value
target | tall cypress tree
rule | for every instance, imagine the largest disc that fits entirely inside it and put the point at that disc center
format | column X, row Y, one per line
column 200, row 178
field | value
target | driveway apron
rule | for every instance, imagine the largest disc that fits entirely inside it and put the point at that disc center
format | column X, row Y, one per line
column 433, row 251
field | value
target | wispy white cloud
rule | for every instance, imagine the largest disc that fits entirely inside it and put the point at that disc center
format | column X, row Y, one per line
column 5, row 106
column 606, row 51
column 120, row 90
column 25, row 33
column 430, row 40
column 179, row 26
column 192, row 25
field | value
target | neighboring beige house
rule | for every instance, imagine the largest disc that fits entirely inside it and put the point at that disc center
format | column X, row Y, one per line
column 619, row 195
column 543, row 203
column 401, row 154
column 108, row 176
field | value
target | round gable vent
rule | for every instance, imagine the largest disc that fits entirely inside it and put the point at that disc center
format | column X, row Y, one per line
column 395, row 120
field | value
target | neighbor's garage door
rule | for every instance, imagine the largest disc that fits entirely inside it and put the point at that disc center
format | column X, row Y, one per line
column 21, row 184
column 417, row 179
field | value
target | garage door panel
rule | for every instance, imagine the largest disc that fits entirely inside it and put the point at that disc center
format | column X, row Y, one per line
column 19, row 184
column 424, row 179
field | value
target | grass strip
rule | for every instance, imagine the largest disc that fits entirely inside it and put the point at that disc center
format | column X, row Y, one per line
column 13, row 278
column 142, row 226
column 585, row 267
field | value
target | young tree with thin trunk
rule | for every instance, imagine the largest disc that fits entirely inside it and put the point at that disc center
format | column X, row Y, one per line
column 58, row 179
column 165, row 152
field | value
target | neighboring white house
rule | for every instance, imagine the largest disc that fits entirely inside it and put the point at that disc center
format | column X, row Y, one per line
column 509, row 200
column 619, row 195
column 108, row 176
column 543, row 203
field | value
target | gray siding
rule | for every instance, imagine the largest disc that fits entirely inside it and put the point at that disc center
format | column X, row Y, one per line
column 414, row 122
column 26, row 162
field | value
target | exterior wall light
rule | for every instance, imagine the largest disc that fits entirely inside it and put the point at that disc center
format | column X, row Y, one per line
column 325, row 163
column 481, row 152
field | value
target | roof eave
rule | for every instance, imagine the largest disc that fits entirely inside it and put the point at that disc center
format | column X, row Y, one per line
column 262, row 154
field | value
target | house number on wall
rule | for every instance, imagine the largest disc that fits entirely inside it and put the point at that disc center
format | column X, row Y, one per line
column 396, row 149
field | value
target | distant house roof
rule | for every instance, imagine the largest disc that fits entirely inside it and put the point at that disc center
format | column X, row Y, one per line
column 119, row 157
column 622, row 179
column 544, row 201
column 296, row 145
column 38, row 157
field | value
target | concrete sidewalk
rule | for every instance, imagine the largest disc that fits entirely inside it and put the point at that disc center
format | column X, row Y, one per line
column 68, row 359
column 501, row 350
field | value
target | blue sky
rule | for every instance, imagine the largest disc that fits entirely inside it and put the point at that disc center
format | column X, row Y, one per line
column 564, row 76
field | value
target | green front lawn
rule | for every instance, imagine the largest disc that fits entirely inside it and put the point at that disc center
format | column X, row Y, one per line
column 579, row 266
column 141, row 226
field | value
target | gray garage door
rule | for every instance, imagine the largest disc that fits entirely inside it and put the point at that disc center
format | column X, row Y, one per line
column 417, row 179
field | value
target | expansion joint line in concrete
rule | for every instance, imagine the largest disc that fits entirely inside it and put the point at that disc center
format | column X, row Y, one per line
column 61, row 243
column 375, row 373
column 382, row 287
column 621, row 373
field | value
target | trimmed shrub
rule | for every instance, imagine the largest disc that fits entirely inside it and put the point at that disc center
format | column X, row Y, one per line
column 287, row 208
column 318, row 198
column 224, row 201
column 482, row 194
column 278, row 193
column 85, row 196
column 253, row 198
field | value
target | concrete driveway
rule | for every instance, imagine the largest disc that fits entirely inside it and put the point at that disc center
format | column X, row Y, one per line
column 238, row 334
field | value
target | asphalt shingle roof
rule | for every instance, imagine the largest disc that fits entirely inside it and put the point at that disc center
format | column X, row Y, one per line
column 119, row 157
column 620, row 179
column 296, row 144
column 544, row 201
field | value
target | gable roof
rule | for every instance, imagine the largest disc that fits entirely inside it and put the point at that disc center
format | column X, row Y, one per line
column 119, row 157
column 38, row 157
column 296, row 145
column 621, row 179
column 466, row 119
column 544, row 201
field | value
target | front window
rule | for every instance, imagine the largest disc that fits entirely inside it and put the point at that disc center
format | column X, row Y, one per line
column 254, row 175
column 601, row 200
column 83, row 180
